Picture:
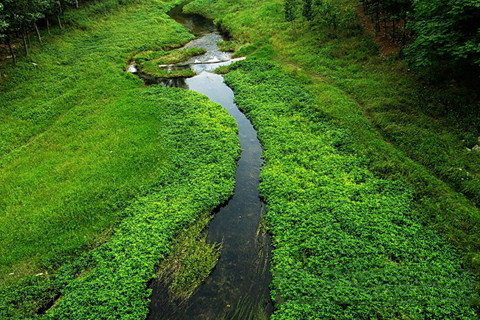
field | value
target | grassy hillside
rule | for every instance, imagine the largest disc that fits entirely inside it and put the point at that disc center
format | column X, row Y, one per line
column 80, row 141
column 407, row 131
column 372, row 198
column 363, row 93
column 347, row 244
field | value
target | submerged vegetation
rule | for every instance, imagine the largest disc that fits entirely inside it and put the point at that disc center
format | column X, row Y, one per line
column 190, row 262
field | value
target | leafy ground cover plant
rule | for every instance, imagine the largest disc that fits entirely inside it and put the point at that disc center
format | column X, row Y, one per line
column 92, row 159
column 169, row 56
column 352, row 215
column 150, row 62
column 116, row 285
column 346, row 243
column 405, row 131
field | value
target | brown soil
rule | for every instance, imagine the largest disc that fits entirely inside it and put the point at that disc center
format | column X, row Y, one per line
column 382, row 38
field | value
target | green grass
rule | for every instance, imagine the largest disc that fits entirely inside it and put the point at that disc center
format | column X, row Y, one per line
column 227, row 46
column 116, row 286
column 403, row 131
column 80, row 142
column 190, row 262
column 149, row 62
column 168, row 57
column 434, row 126
column 222, row 69
column 90, row 158
column 346, row 243
column 98, row 173
column 155, row 71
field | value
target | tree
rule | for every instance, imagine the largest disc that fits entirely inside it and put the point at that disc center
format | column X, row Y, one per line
column 447, row 34
column 308, row 9
column 3, row 22
column 20, row 17
column 289, row 10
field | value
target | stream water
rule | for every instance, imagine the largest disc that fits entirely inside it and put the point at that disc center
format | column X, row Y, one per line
column 238, row 286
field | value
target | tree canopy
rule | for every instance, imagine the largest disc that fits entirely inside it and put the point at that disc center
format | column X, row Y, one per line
column 19, row 17
column 447, row 33
column 437, row 35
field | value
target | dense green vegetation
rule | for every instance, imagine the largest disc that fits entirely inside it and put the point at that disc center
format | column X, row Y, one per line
column 160, row 57
column 190, row 262
column 446, row 35
column 439, row 35
column 347, row 244
column 18, row 18
column 367, row 92
column 116, row 286
column 86, row 148
column 376, row 99
column 149, row 62
column 371, row 180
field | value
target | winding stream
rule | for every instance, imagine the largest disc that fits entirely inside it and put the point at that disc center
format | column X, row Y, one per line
column 238, row 286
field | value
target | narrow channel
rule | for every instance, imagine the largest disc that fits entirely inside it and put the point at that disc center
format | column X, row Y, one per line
column 238, row 287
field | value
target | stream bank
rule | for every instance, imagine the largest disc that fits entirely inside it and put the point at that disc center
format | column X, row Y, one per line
column 238, row 287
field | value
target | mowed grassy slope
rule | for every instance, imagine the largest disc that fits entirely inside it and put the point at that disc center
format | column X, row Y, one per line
column 80, row 141
column 77, row 138
column 114, row 286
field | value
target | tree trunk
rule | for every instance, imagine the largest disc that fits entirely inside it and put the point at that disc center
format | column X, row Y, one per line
column 394, row 34
column 12, row 53
column 377, row 19
column 25, row 45
column 39, row 36
column 29, row 39
column 76, row 4
column 59, row 21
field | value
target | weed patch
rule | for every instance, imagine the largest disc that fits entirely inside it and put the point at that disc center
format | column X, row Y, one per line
column 98, row 173
column 346, row 243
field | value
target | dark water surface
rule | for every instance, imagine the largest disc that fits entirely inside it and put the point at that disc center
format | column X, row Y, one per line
column 238, row 286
